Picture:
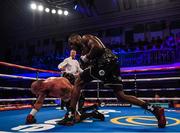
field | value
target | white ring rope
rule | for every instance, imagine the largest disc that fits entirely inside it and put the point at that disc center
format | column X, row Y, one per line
column 25, row 99
column 150, row 89
column 33, row 99
column 154, row 89
column 97, row 81
column 151, row 79
column 14, row 88
column 19, row 77
column 143, row 98
column 103, row 90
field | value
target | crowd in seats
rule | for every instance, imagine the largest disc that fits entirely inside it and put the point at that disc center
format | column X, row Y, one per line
column 156, row 52
column 144, row 45
column 142, row 53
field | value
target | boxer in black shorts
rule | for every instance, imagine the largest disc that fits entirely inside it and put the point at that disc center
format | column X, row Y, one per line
column 100, row 63
column 105, row 68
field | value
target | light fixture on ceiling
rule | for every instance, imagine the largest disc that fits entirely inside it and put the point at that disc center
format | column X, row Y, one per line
column 40, row 8
column 60, row 12
column 33, row 6
column 47, row 10
column 66, row 12
column 53, row 11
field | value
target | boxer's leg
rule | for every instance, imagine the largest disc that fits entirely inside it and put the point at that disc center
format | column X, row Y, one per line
column 92, row 107
column 84, row 77
column 116, row 84
column 94, row 114
column 157, row 111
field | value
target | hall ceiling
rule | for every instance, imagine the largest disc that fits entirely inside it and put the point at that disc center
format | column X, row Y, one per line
column 16, row 15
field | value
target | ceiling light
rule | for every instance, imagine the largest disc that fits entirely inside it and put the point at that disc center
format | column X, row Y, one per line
column 53, row 11
column 60, row 12
column 66, row 13
column 40, row 8
column 33, row 6
column 47, row 10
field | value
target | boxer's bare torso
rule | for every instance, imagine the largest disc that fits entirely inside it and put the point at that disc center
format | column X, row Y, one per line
column 58, row 87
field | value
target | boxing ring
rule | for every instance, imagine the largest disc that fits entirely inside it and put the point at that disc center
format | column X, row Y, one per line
column 119, row 117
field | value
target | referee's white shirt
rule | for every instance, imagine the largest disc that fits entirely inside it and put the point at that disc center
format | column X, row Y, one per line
column 70, row 65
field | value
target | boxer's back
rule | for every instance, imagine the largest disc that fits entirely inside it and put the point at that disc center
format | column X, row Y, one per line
column 58, row 87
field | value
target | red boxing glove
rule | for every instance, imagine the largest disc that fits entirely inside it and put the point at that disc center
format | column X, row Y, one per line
column 30, row 119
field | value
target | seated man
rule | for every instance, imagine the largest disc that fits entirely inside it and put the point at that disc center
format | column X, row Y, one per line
column 59, row 87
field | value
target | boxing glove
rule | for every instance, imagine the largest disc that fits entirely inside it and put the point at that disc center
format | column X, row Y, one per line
column 84, row 58
column 30, row 119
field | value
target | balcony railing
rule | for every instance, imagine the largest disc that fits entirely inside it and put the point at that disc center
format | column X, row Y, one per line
column 150, row 57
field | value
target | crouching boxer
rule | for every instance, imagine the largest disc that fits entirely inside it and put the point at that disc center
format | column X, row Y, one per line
column 59, row 87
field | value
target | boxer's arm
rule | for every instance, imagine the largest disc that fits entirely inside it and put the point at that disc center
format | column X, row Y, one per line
column 30, row 119
column 94, row 46
column 39, row 102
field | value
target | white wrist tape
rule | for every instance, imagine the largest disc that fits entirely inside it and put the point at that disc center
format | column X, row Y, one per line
column 33, row 112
